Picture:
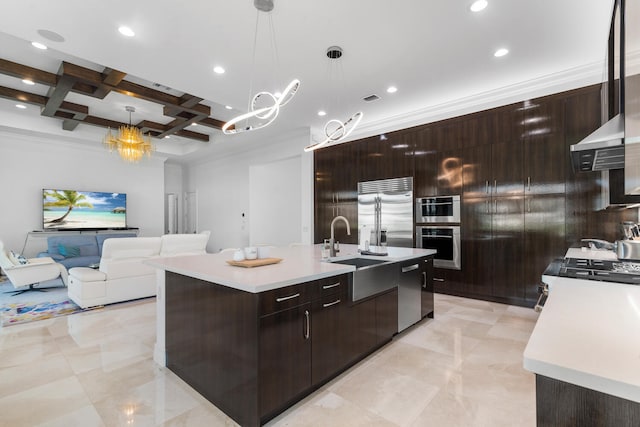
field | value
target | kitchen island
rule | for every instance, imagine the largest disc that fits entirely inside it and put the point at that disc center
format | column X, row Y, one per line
column 585, row 352
column 253, row 341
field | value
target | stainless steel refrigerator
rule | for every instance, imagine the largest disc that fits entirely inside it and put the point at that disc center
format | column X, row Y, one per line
column 385, row 209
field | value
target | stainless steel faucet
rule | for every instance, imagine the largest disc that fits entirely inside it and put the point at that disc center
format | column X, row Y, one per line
column 332, row 250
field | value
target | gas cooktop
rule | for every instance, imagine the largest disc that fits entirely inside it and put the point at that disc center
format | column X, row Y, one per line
column 603, row 270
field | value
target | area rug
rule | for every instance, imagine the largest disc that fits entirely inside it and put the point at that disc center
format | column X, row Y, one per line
column 14, row 313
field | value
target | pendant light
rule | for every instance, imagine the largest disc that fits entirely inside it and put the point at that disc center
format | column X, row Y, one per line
column 259, row 116
column 336, row 130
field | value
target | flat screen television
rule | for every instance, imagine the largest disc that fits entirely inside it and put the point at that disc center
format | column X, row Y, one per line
column 83, row 210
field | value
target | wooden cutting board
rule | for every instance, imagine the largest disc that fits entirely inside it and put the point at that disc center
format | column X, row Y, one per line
column 248, row 263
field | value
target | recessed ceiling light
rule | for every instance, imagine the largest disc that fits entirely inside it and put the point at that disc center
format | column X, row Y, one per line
column 218, row 69
column 392, row 89
column 167, row 137
column 28, row 82
column 38, row 45
column 501, row 52
column 322, row 113
column 126, row 31
column 478, row 5
column 21, row 106
column 228, row 107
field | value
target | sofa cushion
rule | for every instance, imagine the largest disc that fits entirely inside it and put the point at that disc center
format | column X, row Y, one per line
column 100, row 238
column 68, row 251
column 86, row 274
column 184, row 244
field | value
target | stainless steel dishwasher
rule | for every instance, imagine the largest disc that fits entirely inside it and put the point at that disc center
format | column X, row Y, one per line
column 409, row 294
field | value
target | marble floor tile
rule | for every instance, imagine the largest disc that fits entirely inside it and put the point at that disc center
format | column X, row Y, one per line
column 463, row 368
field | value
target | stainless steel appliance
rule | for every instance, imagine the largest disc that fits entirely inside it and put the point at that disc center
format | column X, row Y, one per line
column 385, row 207
column 409, row 290
column 440, row 209
column 602, row 270
column 445, row 239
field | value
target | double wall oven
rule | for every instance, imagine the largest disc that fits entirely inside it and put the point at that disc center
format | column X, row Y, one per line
column 438, row 227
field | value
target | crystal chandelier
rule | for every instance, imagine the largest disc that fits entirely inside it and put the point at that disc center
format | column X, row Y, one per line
column 130, row 142
column 264, row 106
column 336, row 130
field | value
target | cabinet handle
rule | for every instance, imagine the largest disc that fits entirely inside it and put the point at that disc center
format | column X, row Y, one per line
column 437, row 279
column 331, row 286
column 410, row 268
column 424, row 279
column 495, row 206
column 486, row 188
column 329, row 304
column 528, row 183
column 306, row 320
column 287, row 298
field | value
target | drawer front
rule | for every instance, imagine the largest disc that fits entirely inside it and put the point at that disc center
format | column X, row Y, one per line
column 283, row 298
column 332, row 285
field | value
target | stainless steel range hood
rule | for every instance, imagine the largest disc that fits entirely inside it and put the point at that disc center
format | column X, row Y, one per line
column 601, row 150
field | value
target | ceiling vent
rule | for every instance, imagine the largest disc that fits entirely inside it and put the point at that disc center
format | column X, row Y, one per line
column 370, row 98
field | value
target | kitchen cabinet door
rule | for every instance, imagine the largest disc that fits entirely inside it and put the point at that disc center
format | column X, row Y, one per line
column 362, row 318
column 386, row 156
column 507, row 237
column 450, row 172
column 386, row 316
column 544, row 147
column 544, row 225
column 476, row 233
column 330, row 336
column 284, row 357
column 425, row 182
column 506, row 165
column 477, row 171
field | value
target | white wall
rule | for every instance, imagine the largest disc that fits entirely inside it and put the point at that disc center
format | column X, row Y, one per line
column 31, row 162
column 174, row 184
column 225, row 188
column 274, row 188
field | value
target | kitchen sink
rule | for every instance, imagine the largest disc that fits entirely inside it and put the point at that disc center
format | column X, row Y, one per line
column 358, row 262
column 371, row 277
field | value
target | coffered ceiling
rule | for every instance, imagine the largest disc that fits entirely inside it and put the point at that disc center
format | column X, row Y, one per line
column 437, row 53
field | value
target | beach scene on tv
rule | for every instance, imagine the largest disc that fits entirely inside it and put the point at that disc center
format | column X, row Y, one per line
column 70, row 209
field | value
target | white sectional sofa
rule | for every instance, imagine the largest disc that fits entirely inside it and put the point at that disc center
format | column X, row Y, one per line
column 122, row 275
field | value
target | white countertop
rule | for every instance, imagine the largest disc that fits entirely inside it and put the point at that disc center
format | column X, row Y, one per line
column 588, row 334
column 299, row 264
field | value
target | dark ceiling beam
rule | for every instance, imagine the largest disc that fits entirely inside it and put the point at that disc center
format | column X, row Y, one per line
column 57, row 94
column 22, row 96
column 169, row 129
column 25, row 72
column 186, row 109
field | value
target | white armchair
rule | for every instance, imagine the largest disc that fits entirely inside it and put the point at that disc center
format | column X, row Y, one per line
column 34, row 271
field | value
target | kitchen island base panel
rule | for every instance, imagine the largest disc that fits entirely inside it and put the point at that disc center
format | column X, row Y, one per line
column 211, row 331
column 559, row 403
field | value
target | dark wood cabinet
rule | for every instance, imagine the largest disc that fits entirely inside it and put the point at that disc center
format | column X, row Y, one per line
column 544, row 238
column 386, row 316
column 284, row 357
column 436, row 172
column 386, row 156
column 507, row 237
column 336, row 190
column 332, row 331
